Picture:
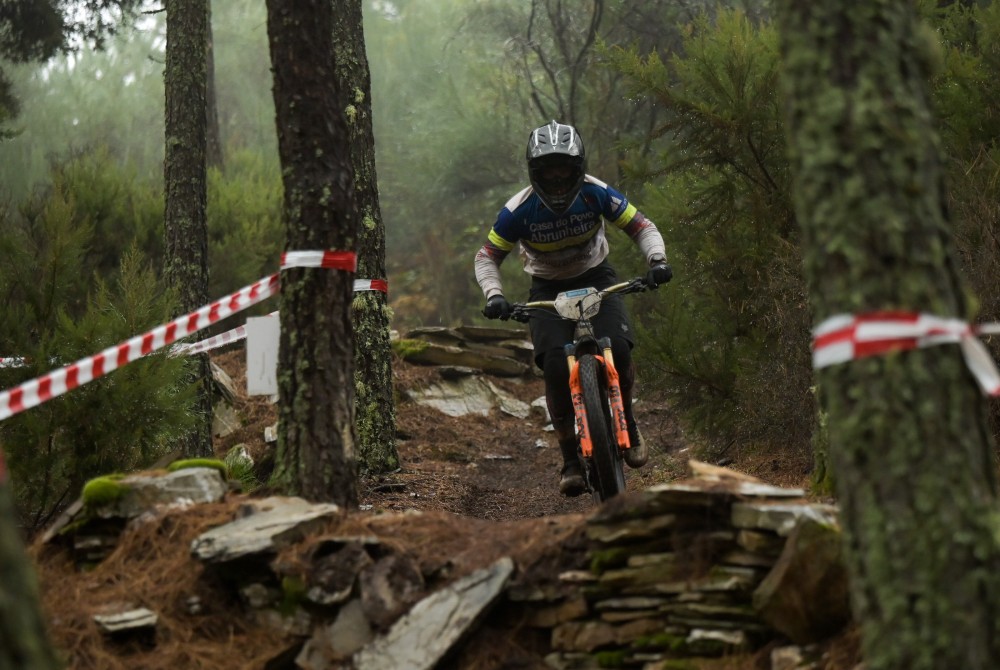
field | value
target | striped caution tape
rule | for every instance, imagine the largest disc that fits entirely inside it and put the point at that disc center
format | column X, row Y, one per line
column 221, row 340
column 371, row 285
column 41, row 389
column 240, row 332
column 331, row 260
column 53, row 384
column 846, row 337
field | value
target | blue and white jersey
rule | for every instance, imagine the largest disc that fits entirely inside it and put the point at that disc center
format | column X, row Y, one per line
column 564, row 245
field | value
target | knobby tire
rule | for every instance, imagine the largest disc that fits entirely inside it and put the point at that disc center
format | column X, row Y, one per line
column 605, row 459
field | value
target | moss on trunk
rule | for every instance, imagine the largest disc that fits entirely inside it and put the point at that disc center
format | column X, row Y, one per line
column 911, row 453
column 375, row 408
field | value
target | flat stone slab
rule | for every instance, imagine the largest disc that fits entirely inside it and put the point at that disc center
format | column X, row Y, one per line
column 780, row 517
column 421, row 638
column 489, row 334
column 436, row 354
column 126, row 621
column 278, row 522
column 145, row 491
column 469, row 395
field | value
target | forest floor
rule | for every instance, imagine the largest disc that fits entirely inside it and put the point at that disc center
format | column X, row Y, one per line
column 499, row 467
column 494, row 479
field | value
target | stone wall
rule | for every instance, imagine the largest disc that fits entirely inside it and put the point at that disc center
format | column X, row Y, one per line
column 714, row 565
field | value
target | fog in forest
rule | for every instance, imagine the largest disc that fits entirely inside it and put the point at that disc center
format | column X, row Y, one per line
column 456, row 87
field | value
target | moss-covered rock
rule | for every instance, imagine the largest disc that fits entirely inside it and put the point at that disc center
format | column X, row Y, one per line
column 200, row 463
column 104, row 490
column 404, row 348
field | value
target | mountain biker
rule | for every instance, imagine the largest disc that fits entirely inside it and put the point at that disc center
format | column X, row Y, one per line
column 559, row 222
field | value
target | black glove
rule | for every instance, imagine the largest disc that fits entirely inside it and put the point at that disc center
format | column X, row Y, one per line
column 497, row 307
column 658, row 274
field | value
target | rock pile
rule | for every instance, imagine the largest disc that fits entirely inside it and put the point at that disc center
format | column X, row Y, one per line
column 702, row 568
column 716, row 564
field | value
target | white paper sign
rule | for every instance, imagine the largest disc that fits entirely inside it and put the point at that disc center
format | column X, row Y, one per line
column 263, row 335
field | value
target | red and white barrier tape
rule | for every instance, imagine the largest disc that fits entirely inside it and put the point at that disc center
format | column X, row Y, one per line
column 240, row 332
column 845, row 338
column 41, row 389
column 221, row 340
column 331, row 260
column 371, row 285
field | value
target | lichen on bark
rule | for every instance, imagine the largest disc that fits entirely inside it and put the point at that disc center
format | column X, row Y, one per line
column 910, row 448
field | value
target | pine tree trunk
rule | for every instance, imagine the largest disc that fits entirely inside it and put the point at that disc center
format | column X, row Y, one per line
column 24, row 643
column 184, row 177
column 213, row 136
column 908, row 439
column 374, row 405
column 316, row 437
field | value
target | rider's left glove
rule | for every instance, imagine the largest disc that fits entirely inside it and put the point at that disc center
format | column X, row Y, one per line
column 659, row 274
column 497, row 307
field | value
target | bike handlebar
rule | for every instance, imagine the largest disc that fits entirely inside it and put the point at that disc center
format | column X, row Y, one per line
column 521, row 311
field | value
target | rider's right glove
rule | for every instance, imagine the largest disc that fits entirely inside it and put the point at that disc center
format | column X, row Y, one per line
column 659, row 274
column 497, row 307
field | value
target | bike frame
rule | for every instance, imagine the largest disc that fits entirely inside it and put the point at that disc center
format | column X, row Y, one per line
column 580, row 305
column 573, row 351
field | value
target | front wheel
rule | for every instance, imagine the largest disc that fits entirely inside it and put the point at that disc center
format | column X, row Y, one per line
column 606, row 458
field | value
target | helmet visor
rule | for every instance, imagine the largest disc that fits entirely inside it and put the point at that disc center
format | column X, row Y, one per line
column 558, row 180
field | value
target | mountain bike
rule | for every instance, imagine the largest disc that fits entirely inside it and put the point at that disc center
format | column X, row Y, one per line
column 597, row 399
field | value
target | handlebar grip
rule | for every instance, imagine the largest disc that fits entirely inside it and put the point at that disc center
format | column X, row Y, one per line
column 519, row 312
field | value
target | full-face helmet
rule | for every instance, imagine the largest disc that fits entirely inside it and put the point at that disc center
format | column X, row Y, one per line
column 557, row 164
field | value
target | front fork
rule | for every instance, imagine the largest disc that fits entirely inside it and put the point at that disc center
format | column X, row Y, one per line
column 619, row 423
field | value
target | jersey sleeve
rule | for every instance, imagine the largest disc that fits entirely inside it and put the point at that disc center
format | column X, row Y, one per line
column 492, row 254
column 624, row 215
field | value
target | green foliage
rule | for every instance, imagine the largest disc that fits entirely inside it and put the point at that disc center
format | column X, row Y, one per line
column 123, row 210
column 606, row 559
column 62, row 310
column 611, row 659
column 241, row 468
column 245, row 233
column 731, row 341
column 293, row 592
column 966, row 89
column 408, row 347
column 730, row 337
column 81, row 224
column 75, row 103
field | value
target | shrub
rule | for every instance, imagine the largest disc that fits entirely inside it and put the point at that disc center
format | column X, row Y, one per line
column 728, row 339
column 62, row 310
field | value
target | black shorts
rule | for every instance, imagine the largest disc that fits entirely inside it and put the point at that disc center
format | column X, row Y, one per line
column 551, row 332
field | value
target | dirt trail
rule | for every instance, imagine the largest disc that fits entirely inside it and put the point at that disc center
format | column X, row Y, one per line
column 498, row 468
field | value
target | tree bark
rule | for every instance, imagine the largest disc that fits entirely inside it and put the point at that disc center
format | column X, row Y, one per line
column 213, row 136
column 374, row 406
column 316, row 436
column 908, row 438
column 24, row 643
column 185, row 218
